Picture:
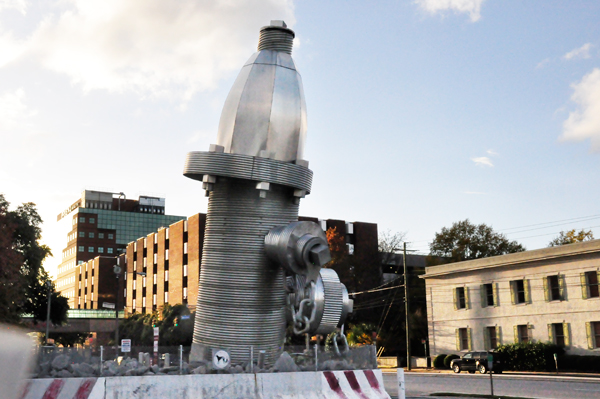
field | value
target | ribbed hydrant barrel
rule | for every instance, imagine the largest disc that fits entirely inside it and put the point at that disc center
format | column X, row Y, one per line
column 254, row 177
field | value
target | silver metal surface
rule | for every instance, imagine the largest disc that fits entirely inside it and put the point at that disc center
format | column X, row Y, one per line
column 241, row 296
column 292, row 247
column 265, row 109
column 198, row 164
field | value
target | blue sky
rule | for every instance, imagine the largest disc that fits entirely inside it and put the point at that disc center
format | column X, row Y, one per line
column 421, row 113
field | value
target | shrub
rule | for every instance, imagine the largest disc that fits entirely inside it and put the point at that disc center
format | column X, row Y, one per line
column 579, row 363
column 450, row 358
column 438, row 361
column 530, row 356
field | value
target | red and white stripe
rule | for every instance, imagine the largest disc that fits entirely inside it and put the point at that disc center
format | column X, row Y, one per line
column 359, row 384
column 61, row 388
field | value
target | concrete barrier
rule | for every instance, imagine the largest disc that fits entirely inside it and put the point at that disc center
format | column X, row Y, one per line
column 64, row 388
column 358, row 384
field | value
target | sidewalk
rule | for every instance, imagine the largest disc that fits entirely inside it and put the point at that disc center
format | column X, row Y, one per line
column 511, row 373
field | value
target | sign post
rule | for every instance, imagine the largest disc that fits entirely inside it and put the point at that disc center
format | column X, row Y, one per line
column 401, row 387
column 125, row 345
column 156, row 331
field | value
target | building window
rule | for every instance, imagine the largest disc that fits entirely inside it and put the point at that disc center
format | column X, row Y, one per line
column 519, row 291
column 133, row 304
column 593, row 334
column 90, row 249
column 100, row 235
column 80, row 261
column 111, row 236
column 82, row 234
column 155, row 279
column 522, row 333
column 166, row 297
column 109, row 250
column 554, row 287
column 91, row 235
column 92, row 220
column 81, row 249
column 461, row 298
column 134, row 284
column 492, row 337
column 589, row 284
column 81, row 219
column 100, row 250
column 463, row 339
column 184, row 270
column 558, row 333
column 489, row 295
column 144, row 302
column 154, row 299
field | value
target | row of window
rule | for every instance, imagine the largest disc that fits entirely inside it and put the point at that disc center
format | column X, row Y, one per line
column 520, row 291
column 100, row 250
column 558, row 333
column 91, row 234
column 82, row 220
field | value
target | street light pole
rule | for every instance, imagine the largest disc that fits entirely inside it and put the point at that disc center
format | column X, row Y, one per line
column 49, row 285
column 406, row 307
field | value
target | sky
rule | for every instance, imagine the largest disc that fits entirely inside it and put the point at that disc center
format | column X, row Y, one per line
column 421, row 113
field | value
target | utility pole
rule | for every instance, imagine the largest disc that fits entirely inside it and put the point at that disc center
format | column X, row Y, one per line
column 406, row 307
column 49, row 285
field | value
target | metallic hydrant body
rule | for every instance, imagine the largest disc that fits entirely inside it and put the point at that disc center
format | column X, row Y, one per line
column 256, row 271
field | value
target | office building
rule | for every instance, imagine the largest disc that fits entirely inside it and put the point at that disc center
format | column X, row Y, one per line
column 102, row 224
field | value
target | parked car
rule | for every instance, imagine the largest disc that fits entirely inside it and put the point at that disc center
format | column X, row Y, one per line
column 478, row 361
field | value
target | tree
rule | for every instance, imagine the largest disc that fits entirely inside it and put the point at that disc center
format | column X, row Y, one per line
column 571, row 237
column 174, row 329
column 23, row 279
column 389, row 245
column 465, row 241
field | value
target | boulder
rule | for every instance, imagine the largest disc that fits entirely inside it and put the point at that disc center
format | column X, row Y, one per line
column 142, row 370
column 201, row 369
column 285, row 364
column 61, row 362
column 82, row 370
column 64, row 374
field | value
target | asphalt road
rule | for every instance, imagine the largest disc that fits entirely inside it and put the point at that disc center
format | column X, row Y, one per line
column 531, row 386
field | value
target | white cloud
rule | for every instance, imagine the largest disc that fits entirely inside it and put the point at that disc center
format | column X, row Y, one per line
column 542, row 63
column 14, row 112
column 584, row 123
column 18, row 5
column 581, row 52
column 471, row 7
column 155, row 48
column 482, row 161
column 491, row 153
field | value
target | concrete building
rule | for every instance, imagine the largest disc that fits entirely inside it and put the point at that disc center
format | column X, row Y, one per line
column 549, row 294
column 102, row 224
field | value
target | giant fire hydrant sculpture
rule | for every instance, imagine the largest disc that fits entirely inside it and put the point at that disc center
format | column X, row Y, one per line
column 260, row 266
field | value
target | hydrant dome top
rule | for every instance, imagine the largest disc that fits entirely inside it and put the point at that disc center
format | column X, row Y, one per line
column 265, row 112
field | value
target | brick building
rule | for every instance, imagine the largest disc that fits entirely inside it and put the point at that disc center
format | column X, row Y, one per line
column 101, row 225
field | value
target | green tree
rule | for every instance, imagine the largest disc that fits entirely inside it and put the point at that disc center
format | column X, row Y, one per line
column 23, row 279
column 174, row 327
column 465, row 241
column 571, row 237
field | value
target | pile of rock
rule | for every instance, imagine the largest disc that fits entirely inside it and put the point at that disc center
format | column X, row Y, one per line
column 74, row 365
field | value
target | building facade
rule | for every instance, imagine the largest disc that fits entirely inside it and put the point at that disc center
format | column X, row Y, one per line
column 549, row 294
column 164, row 267
column 101, row 225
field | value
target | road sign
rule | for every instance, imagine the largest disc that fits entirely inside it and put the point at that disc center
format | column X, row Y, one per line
column 108, row 305
column 221, row 358
column 125, row 345
column 185, row 317
column 156, row 331
column 490, row 360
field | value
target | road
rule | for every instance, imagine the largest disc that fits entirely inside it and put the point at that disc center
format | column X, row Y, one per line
column 531, row 386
